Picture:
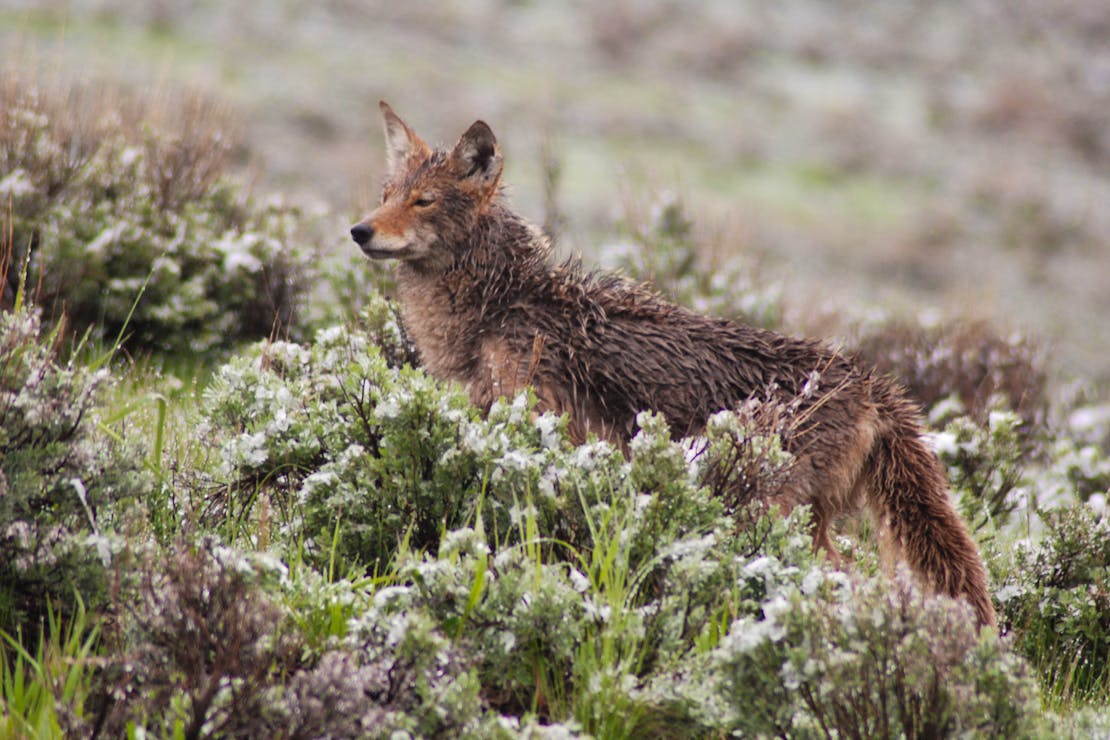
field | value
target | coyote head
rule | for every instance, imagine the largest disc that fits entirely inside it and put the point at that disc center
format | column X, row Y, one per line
column 432, row 198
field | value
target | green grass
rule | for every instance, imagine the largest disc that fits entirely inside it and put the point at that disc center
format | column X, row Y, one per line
column 57, row 676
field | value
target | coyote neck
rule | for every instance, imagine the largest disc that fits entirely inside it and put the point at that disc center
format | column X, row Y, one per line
column 443, row 334
column 447, row 313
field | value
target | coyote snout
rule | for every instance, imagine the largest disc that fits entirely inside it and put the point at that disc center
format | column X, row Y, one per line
column 362, row 234
column 486, row 307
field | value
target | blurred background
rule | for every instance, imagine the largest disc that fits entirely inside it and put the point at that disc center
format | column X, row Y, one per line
column 933, row 159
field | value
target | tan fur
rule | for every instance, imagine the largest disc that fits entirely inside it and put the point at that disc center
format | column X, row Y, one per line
column 486, row 306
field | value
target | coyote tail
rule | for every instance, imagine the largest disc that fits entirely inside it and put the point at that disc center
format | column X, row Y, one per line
column 909, row 500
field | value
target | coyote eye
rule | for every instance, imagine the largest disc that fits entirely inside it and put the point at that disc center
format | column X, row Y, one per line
column 424, row 201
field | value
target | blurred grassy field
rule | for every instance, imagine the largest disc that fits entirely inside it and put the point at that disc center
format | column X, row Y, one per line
column 916, row 157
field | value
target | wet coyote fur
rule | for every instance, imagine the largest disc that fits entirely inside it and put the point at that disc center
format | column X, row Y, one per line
column 486, row 306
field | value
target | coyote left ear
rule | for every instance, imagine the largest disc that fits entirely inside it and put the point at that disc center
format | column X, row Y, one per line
column 401, row 142
column 476, row 157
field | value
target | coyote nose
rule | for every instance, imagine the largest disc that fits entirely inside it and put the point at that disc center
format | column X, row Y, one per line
column 362, row 234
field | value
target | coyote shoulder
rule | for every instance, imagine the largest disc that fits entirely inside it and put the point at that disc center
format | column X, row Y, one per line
column 486, row 306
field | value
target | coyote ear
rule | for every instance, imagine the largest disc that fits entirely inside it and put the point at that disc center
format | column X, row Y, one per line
column 401, row 142
column 477, row 157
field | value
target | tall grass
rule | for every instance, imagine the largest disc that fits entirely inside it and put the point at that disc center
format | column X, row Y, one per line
column 44, row 694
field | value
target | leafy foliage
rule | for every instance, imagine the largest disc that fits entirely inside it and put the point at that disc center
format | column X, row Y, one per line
column 1056, row 598
column 871, row 659
column 985, row 463
column 60, row 476
column 206, row 650
column 581, row 582
column 124, row 212
column 213, row 654
column 319, row 426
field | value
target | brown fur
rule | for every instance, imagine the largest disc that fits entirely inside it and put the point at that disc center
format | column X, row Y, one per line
column 486, row 307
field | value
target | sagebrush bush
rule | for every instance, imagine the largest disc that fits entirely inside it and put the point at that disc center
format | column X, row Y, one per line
column 1055, row 597
column 205, row 650
column 60, row 477
column 554, row 565
column 845, row 658
column 465, row 575
column 599, row 635
column 986, row 463
column 404, row 678
column 995, row 474
column 117, row 201
column 321, row 426
column 210, row 650
column 746, row 463
column 969, row 361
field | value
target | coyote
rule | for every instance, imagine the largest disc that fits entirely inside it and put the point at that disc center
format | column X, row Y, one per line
column 486, row 306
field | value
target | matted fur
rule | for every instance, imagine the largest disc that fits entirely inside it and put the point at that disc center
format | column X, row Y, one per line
column 486, row 306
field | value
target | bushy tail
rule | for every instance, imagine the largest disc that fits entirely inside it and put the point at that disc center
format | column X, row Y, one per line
column 908, row 497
